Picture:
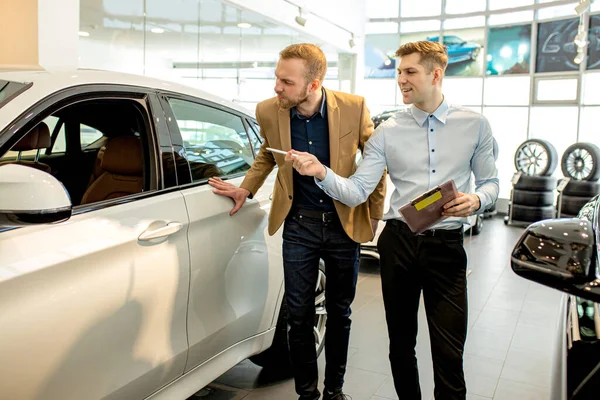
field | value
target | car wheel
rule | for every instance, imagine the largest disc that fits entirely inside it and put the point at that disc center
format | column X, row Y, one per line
column 536, row 157
column 277, row 357
column 580, row 162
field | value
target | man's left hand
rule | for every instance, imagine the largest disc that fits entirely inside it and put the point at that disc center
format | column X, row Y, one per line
column 463, row 206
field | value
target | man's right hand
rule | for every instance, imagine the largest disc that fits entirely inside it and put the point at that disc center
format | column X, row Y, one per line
column 237, row 194
column 306, row 164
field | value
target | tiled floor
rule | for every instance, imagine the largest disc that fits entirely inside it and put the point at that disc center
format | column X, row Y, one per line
column 508, row 351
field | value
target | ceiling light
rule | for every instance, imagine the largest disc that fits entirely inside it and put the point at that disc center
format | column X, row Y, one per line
column 580, row 56
column 244, row 25
column 84, row 34
column 581, row 39
column 157, row 30
column 582, row 7
column 301, row 20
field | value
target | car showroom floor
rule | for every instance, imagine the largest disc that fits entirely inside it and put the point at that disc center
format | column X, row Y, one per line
column 509, row 347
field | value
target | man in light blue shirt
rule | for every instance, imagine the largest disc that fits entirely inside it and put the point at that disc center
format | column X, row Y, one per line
column 422, row 147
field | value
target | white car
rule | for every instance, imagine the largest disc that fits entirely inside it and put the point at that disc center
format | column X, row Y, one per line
column 122, row 275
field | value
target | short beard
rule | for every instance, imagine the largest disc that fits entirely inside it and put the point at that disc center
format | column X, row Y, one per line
column 291, row 103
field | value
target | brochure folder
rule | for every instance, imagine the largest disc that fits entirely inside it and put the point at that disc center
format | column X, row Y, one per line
column 426, row 210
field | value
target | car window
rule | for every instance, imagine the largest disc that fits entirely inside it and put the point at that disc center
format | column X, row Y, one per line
column 215, row 141
column 89, row 135
column 121, row 167
column 51, row 121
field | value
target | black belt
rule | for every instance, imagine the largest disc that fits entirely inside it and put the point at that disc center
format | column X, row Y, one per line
column 401, row 226
column 325, row 216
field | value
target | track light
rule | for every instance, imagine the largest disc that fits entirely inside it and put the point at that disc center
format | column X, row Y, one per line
column 579, row 57
column 582, row 7
column 581, row 39
column 300, row 20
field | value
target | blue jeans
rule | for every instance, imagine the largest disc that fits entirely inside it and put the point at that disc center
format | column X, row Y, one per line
column 305, row 241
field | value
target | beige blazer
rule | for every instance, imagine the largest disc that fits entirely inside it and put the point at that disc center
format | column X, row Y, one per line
column 350, row 127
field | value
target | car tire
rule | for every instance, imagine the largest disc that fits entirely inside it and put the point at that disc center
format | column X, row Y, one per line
column 277, row 357
column 536, row 157
column 536, row 183
column 532, row 214
column 582, row 188
column 580, row 162
column 531, row 198
column 572, row 204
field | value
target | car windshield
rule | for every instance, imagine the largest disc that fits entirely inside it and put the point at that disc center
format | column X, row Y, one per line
column 9, row 89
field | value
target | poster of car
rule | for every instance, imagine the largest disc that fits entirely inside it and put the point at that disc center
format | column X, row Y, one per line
column 509, row 50
column 379, row 56
column 593, row 61
column 555, row 48
column 465, row 51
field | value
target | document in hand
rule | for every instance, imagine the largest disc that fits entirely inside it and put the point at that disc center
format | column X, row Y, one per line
column 426, row 210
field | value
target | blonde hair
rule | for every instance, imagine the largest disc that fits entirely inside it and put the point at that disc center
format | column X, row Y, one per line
column 433, row 54
column 313, row 56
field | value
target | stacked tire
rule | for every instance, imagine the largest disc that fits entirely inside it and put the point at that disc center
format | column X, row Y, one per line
column 533, row 195
column 580, row 164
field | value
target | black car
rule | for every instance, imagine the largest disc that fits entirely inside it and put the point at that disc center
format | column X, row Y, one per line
column 563, row 254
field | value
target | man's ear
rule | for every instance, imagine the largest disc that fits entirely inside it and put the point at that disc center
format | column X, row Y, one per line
column 315, row 85
column 438, row 73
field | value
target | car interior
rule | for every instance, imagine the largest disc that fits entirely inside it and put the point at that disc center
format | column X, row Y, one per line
column 96, row 148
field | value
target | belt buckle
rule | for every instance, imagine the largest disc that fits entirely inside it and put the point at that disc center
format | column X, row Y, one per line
column 427, row 232
column 325, row 217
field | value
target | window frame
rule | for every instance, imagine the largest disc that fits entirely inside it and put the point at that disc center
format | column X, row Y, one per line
column 555, row 77
column 184, row 175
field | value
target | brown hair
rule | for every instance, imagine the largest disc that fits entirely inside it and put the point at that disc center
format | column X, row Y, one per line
column 433, row 54
column 313, row 56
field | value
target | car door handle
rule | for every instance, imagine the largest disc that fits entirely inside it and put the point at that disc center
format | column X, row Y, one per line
column 167, row 230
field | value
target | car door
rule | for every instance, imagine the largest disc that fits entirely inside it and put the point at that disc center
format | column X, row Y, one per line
column 236, row 267
column 95, row 307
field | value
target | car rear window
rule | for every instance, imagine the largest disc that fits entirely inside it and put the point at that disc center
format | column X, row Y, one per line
column 9, row 90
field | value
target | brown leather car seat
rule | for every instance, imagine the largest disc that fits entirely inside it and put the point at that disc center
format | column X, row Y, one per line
column 97, row 169
column 36, row 139
column 122, row 166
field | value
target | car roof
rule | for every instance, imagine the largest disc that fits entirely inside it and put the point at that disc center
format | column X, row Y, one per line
column 46, row 83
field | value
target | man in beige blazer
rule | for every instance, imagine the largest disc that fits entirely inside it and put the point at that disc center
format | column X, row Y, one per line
column 332, row 126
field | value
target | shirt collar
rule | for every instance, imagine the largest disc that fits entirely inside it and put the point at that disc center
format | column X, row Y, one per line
column 321, row 111
column 421, row 116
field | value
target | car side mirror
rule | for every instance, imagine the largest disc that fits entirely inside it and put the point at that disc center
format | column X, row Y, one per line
column 29, row 196
column 561, row 254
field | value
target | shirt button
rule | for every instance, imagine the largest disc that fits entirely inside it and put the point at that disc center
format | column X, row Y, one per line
column 433, row 150
column 431, row 116
column 310, row 142
column 431, row 129
column 320, row 201
column 307, row 121
column 433, row 171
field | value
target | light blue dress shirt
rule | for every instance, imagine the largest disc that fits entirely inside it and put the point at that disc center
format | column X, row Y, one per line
column 422, row 151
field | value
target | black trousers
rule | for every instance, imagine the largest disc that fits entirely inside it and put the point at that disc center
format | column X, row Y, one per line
column 436, row 264
column 306, row 239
